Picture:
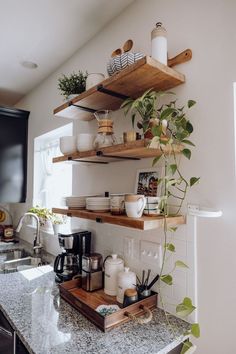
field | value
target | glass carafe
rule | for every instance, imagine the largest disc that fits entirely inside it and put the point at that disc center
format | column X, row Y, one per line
column 105, row 136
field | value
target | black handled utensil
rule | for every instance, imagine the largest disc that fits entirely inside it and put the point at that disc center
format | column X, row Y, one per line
column 153, row 282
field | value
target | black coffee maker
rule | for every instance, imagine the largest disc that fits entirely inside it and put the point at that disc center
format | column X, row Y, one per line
column 69, row 262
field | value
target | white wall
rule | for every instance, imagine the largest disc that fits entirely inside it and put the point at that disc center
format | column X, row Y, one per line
column 207, row 27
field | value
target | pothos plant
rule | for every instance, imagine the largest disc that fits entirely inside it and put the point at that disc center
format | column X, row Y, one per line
column 170, row 134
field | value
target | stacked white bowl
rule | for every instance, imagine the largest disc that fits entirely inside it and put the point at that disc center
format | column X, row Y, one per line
column 76, row 202
column 85, row 142
column 68, row 144
column 152, row 207
column 99, row 204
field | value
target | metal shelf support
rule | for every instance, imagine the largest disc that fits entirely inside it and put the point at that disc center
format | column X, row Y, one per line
column 102, row 89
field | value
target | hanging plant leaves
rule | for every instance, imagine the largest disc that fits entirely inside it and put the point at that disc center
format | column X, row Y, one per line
column 187, row 153
column 172, row 229
column 167, row 112
column 170, row 247
column 173, row 168
column 188, row 142
column 181, row 264
column 194, row 180
column 189, row 127
column 191, row 103
column 155, row 160
column 167, row 279
column 187, row 345
column 185, row 308
column 195, row 330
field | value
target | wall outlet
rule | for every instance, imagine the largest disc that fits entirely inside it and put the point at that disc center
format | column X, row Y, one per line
column 151, row 253
column 130, row 248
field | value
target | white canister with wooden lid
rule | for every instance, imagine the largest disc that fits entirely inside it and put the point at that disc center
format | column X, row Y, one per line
column 125, row 280
column 159, row 43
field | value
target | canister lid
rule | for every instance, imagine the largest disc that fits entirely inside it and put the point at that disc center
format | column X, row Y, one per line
column 159, row 30
column 114, row 259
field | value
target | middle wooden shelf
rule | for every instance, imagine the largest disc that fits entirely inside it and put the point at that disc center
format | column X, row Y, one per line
column 143, row 223
column 135, row 150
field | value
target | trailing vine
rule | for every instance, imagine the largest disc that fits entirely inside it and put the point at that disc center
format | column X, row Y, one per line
column 170, row 129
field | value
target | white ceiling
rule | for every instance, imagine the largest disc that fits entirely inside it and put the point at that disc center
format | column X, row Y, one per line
column 46, row 32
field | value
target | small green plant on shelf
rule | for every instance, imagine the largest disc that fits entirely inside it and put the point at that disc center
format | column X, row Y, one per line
column 169, row 127
column 144, row 107
column 73, row 84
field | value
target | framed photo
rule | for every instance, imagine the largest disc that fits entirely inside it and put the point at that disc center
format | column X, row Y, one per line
column 147, row 182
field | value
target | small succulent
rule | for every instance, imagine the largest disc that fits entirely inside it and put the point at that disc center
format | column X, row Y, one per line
column 73, row 84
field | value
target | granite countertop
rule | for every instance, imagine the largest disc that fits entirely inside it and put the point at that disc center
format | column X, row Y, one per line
column 47, row 324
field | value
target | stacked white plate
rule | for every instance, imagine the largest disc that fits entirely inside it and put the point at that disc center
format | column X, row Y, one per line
column 98, row 204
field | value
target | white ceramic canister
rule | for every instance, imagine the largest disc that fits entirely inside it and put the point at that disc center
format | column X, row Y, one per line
column 94, row 79
column 125, row 280
column 159, row 43
column 113, row 265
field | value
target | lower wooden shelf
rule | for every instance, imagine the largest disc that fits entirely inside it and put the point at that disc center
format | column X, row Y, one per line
column 143, row 223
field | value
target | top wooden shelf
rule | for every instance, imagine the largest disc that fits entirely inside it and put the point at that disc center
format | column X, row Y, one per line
column 132, row 82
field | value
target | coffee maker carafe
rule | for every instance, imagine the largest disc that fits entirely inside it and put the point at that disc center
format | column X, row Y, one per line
column 69, row 262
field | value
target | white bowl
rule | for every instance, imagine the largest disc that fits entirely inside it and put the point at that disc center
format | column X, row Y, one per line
column 85, row 141
column 67, row 144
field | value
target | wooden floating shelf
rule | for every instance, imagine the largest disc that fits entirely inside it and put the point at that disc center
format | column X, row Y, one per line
column 132, row 82
column 143, row 223
column 137, row 150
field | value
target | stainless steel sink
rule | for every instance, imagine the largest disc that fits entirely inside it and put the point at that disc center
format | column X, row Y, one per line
column 14, row 261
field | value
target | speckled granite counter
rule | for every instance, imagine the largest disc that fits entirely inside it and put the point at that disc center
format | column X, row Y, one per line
column 46, row 324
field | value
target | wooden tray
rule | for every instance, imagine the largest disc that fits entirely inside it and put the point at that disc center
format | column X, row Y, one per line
column 86, row 303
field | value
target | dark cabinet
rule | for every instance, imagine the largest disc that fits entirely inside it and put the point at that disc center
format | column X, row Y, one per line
column 9, row 341
column 13, row 154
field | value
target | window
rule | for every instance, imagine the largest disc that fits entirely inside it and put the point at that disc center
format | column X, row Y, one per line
column 52, row 182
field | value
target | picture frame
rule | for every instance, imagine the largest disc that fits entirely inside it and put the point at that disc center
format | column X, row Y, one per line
column 147, row 182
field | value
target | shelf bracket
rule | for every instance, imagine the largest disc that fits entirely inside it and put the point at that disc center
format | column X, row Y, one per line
column 82, row 108
column 87, row 161
column 99, row 220
column 100, row 153
column 102, row 89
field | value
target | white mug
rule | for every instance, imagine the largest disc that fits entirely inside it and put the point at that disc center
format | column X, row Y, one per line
column 135, row 209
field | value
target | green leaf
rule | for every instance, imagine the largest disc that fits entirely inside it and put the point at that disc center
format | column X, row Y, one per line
column 195, row 330
column 157, row 130
column 181, row 264
column 170, row 247
column 191, row 103
column 167, row 279
column 172, row 229
column 173, row 168
column 186, row 153
column 194, row 180
column 155, row 160
column 185, row 308
column 188, row 142
column 187, row 345
column 189, row 127
column 166, row 113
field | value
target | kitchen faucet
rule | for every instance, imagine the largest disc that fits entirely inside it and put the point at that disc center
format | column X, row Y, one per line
column 37, row 246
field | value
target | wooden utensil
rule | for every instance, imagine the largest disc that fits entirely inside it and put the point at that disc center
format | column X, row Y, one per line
column 184, row 56
column 128, row 45
column 116, row 52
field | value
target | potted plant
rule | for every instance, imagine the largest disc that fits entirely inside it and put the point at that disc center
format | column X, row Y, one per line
column 145, row 107
column 73, row 84
column 44, row 215
column 57, row 220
